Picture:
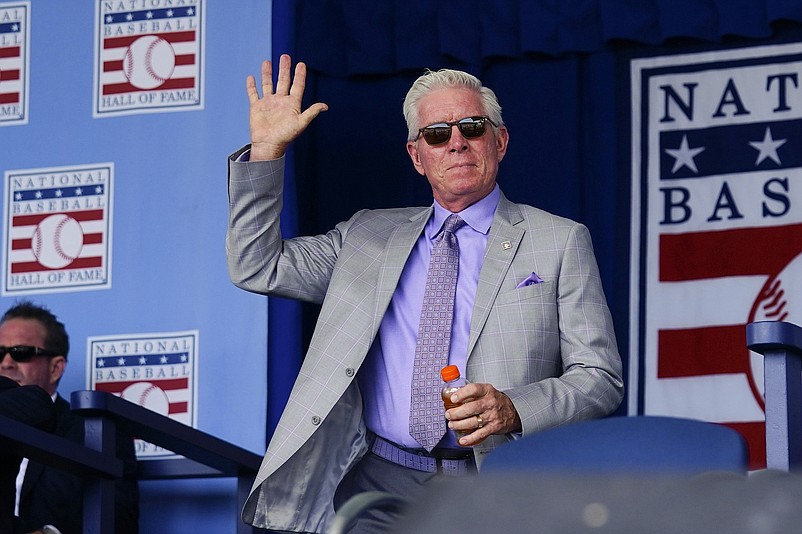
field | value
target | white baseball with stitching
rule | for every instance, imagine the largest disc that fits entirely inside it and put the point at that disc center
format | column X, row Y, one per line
column 149, row 396
column 57, row 241
column 149, row 62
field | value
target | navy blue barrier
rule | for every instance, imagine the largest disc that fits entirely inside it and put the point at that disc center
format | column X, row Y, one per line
column 98, row 468
column 205, row 455
column 780, row 343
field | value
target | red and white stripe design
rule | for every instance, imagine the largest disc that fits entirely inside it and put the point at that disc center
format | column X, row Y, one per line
column 114, row 81
column 21, row 254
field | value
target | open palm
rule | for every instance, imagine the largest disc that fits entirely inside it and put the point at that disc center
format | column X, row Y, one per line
column 276, row 118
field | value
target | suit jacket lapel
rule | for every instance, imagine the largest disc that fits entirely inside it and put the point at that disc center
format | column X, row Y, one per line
column 399, row 246
column 502, row 244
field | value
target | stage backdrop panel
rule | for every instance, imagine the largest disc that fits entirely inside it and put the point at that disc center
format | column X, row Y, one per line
column 116, row 119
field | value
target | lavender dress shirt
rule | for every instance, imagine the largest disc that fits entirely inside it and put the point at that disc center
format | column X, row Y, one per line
column 385, row 377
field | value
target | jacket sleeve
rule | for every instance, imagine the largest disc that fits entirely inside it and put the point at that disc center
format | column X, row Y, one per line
column 259, row 259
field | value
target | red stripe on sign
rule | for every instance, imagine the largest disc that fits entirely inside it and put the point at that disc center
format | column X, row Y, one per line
column 86, row 215
column 109, row 387
column 80, row 216
column 755, row 435
column 185, row 59
column 111, row 66
column 25, row 244
column 173, row 383
column 173, row 83
column 167, row 384
column 26, row 267
column 173, row 37
column 178, row 407
column 21, row 244
column 11, row 74
column 35, row 266
column 710, row 350
column 741, row 251
column 93, row 239
column 10, row 51
column 9, row 98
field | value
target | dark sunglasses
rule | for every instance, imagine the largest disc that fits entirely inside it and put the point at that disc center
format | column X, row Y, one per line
column 469, row 127
column 24, row 353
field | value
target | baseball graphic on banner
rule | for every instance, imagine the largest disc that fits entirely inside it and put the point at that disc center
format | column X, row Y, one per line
column 149, row 62
column 57, row 241
column 777, row 301
column 149, row 396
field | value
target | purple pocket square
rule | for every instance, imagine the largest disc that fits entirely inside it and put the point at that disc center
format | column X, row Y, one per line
column 530, row 280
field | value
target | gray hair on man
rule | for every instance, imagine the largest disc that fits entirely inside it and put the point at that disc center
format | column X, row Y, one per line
column 431, row 81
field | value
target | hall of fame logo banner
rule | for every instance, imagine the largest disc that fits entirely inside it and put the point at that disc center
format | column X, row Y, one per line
column 14, row 61
column 156, row 371
column 716, row 229
column 57, row 229
column 149, row 56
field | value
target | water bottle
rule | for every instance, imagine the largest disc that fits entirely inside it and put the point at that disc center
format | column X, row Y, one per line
column 453, row 381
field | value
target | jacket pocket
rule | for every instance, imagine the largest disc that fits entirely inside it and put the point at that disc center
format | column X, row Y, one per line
column 540, row 290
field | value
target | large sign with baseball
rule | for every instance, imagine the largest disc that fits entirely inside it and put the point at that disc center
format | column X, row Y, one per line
column 156, row 371
column 716, row 228
column 57, row 229
column 149, row 56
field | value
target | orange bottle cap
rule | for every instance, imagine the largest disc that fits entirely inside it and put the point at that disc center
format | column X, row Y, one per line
column 450, row 372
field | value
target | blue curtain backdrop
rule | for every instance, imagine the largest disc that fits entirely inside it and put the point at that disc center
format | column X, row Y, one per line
column 560, row 70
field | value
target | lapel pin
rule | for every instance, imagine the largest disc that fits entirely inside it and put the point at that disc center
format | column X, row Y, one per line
column 506, row 245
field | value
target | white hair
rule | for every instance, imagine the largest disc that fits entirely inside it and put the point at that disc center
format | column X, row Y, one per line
column 447, row 79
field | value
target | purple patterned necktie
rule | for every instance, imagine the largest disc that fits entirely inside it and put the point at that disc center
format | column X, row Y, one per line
column 427, row 422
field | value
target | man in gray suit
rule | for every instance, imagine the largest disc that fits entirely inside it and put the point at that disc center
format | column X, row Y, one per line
column 531, row 328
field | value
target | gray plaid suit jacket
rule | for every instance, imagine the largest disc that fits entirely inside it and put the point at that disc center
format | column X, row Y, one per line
column 549, row 346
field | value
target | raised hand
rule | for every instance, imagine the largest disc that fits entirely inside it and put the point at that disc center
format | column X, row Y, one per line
column 276, row 118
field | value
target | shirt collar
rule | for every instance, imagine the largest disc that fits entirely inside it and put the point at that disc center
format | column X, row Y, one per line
column 478, row 216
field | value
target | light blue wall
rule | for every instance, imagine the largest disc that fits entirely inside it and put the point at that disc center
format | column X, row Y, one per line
column 169, row 221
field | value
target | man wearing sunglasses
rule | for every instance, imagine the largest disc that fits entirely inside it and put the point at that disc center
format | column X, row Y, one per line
column 528, row 324
column 33, row 347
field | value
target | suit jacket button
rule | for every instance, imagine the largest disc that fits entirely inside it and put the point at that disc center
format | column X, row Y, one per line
column 315, row 420
column 349, row 372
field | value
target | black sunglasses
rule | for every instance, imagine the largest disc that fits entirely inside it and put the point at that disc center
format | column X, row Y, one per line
column 469, row 127
column 24, row 353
